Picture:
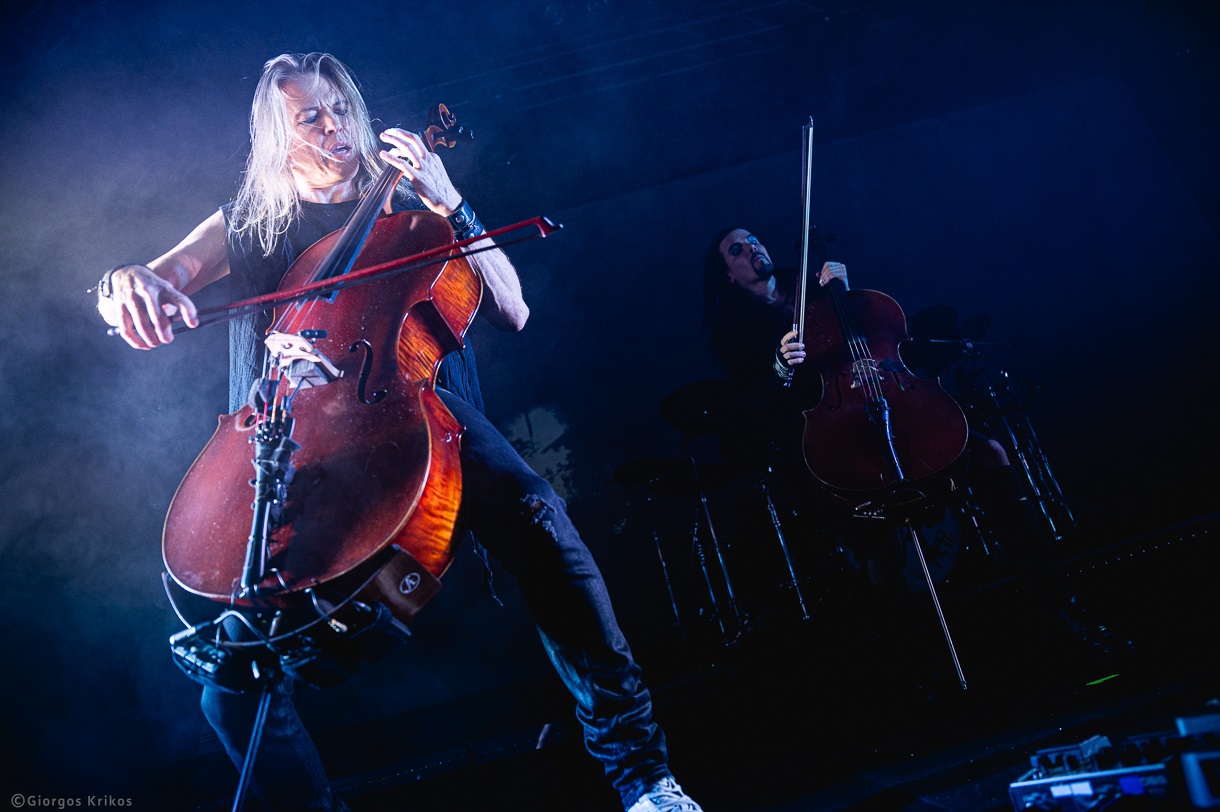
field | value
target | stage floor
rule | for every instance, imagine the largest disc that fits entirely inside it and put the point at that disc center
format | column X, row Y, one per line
column 823, row 714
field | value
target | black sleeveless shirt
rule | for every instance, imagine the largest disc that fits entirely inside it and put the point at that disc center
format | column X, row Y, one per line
column 254, row 274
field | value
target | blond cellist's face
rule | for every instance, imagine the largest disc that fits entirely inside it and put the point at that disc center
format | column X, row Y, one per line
column 321, row 153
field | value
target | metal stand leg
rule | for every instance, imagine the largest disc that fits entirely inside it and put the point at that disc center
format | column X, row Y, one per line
column 724, row 571
column 1022, row 442
column 957, row 666
column 669, row 588
column 783, row 545
column 1038, row 470
column 697, row 546
column 256, row 736
column 738, row 621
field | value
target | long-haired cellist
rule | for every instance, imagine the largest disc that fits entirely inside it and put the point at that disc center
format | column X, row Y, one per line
column 312, row 153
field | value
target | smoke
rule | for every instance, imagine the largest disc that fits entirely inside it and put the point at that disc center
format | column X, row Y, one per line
column 1046, row 200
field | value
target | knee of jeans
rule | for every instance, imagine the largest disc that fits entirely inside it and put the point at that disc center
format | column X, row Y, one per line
column 540, row 506
column 227, row 711
column 214, row 705
column 990, row 456
column 544, row 520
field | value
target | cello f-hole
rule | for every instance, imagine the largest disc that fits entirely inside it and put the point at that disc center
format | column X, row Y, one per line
column 838, row 389
column 896, row 369
column 365, row 369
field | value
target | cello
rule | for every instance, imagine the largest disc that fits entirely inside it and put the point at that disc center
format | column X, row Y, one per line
column 357, row 476
column 874, row 433
column 874, row 430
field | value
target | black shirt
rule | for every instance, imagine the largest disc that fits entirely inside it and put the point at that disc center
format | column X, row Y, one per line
column 254, row 274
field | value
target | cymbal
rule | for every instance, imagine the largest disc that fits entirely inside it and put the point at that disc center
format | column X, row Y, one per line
column 700, row 407
column 938, row 341
column 672, row 476
column 975, row 327
column 936, row 321
column 932, row 356
column 939, row 323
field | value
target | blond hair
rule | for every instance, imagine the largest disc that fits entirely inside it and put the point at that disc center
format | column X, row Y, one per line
column 267, row 201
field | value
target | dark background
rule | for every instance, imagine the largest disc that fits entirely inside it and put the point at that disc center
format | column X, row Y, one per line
column 1049, row 164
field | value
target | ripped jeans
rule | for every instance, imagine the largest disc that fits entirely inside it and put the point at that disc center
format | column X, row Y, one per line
column 521, row 521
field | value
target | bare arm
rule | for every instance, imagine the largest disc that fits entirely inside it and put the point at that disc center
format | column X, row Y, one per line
column 143, row 298
column 503, row 304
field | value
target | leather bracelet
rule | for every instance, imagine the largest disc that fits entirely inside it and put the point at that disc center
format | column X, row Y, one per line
column 103, row 286
column 465, row 222
column 781, row 368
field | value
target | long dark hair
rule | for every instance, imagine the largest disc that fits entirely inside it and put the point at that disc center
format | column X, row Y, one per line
column 720, row 296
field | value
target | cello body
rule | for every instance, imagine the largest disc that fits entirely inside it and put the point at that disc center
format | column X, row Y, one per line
column 377, row 477
column 852, row 341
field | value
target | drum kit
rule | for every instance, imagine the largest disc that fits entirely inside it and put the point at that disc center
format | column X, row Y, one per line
column 701, row 407
column 995, row 401
column 708, row 408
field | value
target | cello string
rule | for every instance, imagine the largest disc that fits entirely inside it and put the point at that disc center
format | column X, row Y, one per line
column 264, row 412
column 355, row 231
column 863, row 363
column 845, row 325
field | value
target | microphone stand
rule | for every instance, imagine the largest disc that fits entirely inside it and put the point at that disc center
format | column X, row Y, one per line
column 256, row 737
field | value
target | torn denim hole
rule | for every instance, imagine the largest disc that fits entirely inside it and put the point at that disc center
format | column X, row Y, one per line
column 538, row 511
column 481, row 552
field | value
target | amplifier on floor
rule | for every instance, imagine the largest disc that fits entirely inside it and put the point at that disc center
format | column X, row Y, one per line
column 1177, row 769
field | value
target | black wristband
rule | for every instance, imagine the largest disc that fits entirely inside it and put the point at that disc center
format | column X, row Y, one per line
column 103, row 286
column 465, row 222
column 781, row 367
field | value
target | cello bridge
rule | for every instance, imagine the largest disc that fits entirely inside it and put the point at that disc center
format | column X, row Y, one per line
column 865, row 368
column 300, row 362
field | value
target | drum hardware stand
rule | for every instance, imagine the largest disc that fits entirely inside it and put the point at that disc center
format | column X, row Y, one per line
column 981, row 530
column 1022, row 440
column 779, row 535
column 697, row 545
column 673, row 602
column 972, row 510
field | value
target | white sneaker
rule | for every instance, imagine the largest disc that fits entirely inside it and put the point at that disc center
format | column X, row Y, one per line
column 665, row 796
